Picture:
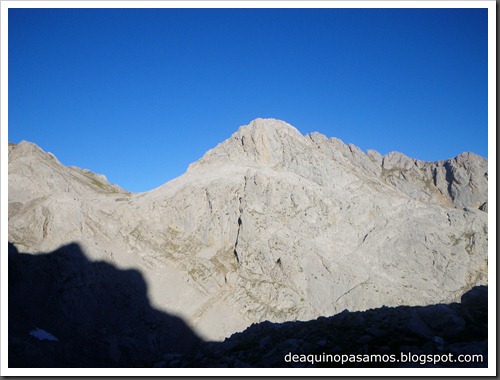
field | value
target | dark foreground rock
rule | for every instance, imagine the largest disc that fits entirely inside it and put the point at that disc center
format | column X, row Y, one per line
column 430, row 336
column 68, row 311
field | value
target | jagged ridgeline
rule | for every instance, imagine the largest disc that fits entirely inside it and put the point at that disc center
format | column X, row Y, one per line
column 269, row 225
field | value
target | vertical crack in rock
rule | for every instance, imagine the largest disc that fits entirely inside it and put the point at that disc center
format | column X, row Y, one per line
column 235, row 251
column 209, row 200
column 45, row 227
column 450, row 178
column 240, row 210
column 435, row 176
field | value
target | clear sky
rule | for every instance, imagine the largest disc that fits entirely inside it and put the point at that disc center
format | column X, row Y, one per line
column 139, row 94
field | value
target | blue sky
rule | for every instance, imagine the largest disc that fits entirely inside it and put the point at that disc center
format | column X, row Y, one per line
column 138, row 94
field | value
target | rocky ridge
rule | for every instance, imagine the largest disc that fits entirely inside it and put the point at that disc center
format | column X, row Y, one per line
column 269, row 225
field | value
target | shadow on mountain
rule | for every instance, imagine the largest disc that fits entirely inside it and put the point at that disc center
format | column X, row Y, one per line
column 67, row 311
column 442, row 335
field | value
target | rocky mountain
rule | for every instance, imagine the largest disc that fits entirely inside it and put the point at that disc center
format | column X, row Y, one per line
column 270, row 225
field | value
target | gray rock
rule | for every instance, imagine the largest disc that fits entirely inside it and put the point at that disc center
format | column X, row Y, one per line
column 269, row 225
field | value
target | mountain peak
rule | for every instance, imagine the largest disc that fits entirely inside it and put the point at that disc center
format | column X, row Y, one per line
column 269, row 225
column 260, row 143
column 270, row 126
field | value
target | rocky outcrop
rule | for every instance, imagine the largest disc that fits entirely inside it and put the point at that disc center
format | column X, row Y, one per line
column 461, row 181
column 433, row 336
column 269, row 225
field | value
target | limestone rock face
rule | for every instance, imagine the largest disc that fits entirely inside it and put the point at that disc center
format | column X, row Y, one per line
column 270, row 225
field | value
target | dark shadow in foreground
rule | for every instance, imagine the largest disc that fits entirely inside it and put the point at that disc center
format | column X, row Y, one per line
column 442, row 335
column 67, row 311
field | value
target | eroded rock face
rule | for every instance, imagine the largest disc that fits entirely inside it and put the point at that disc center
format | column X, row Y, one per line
column 269, row 225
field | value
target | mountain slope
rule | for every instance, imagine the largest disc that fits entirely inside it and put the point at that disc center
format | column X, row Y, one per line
column 270, row 225
column 433, row 336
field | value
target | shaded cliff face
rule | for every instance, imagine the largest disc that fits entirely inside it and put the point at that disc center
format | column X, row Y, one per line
column 269, row 225
column 68, row 311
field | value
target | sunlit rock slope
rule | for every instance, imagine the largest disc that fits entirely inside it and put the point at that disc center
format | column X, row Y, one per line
column 269, row 225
